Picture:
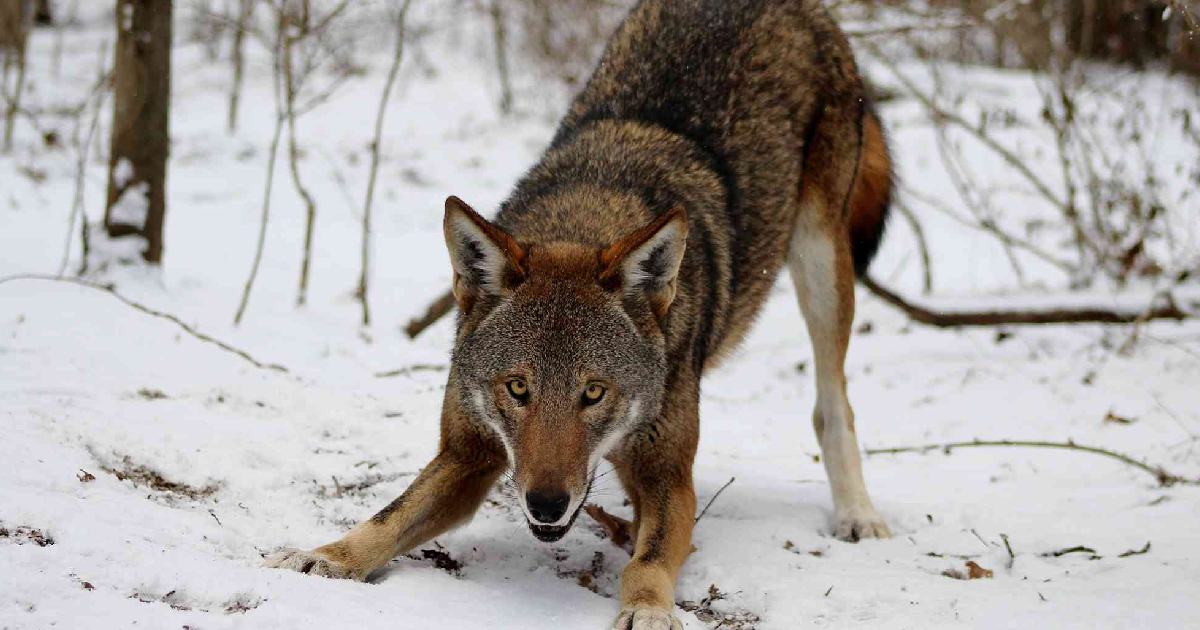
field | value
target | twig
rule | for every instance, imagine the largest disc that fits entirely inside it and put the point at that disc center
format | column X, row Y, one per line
column 714, row 498
column 1135, row 552
column 944, row 319
column 99, row 91
column 922, row 245
column 405, row 371
column 1163, row 477
column 436, row 309
column 941, row 115
column 985, row 543
column 907, row 29
column 364, row 272
column 1069, row 550
column 1008, row 546
column 153, row 313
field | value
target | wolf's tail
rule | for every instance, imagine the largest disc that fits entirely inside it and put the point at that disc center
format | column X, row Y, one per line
column 871, row 199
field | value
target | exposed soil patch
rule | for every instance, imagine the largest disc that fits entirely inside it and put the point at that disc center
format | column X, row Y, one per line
column 149, row 393
column 732, row 619
column 441, row 559
column 594, row 577
column 22, row 535
column 146, row 477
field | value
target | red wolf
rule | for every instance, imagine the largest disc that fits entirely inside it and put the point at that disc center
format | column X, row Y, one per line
column 739, row 136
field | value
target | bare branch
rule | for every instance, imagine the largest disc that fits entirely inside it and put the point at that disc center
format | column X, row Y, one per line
column 435, row 311
column 922, row 245
column 273, row 154
column 1163, row 477
column 105, row 288
column 97, row 94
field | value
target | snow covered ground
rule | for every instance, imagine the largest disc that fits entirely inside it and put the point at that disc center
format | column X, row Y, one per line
column 161, row 468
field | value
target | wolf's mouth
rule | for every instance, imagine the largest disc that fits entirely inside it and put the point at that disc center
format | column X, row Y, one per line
column 548, row 533
column 554, row 533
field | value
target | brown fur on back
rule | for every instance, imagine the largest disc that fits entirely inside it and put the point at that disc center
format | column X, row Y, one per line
column 716, row 140
column 711, row 105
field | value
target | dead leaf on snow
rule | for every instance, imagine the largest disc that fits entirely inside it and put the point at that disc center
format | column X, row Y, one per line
column 974, row 572
column 617, row 528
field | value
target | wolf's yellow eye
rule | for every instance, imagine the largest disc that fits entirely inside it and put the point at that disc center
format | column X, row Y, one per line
column 593, row 393
column 518, row 388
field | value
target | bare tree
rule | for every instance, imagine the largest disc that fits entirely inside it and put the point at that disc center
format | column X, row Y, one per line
column 82, row 143
column 238, row 60
column 295, row 21
column 500, row 39
column 140, row 144
column 365, row 271
column 272, row 156
column 303, row 52
column 301, row 45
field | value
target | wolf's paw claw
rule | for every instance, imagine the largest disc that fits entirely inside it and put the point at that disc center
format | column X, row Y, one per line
column 309, row 562
column 855, row 525
column 647, row 619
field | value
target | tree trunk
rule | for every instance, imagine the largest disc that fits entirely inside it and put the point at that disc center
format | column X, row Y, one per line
column 16, row 17
column 237, row 57
column 1123, row 31
column 137, row 165
column 500, row 40
column 44, row 14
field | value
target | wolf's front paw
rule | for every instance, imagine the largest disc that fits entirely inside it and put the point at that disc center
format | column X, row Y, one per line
column 647, row 619
column 310, row 562
column 856, row 524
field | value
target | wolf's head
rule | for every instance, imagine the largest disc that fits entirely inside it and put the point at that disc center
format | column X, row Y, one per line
column 560, row 348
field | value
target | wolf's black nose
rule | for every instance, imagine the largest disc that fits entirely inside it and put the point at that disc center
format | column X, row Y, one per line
column 547, row 506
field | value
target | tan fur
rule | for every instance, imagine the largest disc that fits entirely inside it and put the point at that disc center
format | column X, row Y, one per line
column 716, row 142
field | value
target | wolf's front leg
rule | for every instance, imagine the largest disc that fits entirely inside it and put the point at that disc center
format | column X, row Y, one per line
column 657, row 475
column 666, row 512
column 447, row 492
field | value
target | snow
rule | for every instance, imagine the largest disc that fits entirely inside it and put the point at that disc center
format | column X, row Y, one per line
column 132, row 207
column 223, row 462
column 123, row 173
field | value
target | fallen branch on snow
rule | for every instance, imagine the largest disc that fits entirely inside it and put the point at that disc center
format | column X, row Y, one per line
column 950, row 319
column 924, row 315
column 153, row 313
column 435, row 311
column 1164, row 478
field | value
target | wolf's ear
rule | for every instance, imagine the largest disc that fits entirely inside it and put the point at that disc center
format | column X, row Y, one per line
column 648, row 259
column 486, row 260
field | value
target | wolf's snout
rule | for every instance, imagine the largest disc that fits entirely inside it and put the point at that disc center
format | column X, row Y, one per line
column 547, row 506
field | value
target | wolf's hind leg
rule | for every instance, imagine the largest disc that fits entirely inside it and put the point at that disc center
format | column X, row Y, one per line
column 446, row 493
column 822, row 271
